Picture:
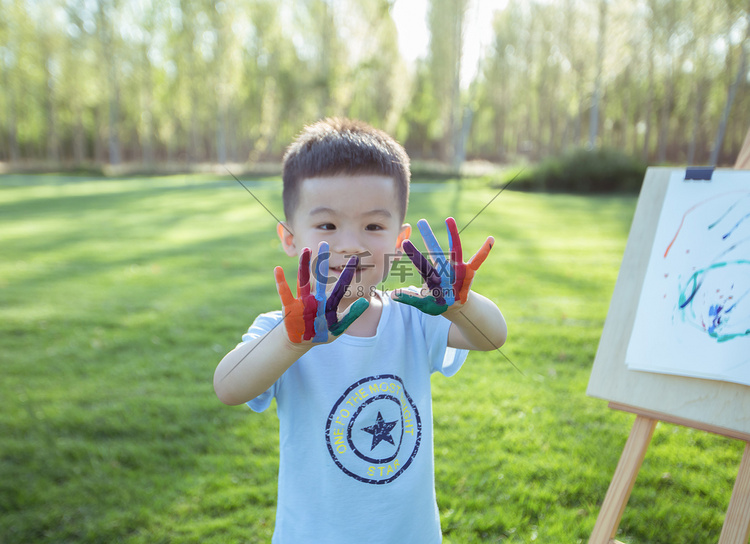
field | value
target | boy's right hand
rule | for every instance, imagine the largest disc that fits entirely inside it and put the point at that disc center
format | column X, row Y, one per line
column 314, row 317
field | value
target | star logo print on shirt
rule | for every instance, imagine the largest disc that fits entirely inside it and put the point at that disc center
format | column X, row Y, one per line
column 380, row 431
column 374, row 430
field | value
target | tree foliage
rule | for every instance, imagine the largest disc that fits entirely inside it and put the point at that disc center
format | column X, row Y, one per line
column 106, row 81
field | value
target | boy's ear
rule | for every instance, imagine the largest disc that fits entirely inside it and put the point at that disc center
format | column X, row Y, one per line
column 287, row 238
column 403, row 234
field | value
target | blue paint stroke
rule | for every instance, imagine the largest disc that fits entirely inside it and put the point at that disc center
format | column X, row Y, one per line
column 727, row 212
column 734, row 227
column 715, row 312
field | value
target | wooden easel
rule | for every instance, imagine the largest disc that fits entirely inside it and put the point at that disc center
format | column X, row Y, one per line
column 736, row 528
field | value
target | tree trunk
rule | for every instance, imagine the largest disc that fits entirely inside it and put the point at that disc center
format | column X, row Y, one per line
column 114, row 117
column 13, row 150
column 79, row 136
column 108, row 58
column 53, row 147
column 698, row 99
column 649, row 105
column 457, row 120
column 730, row 99
column 98, row 135
column 594, row 118
column 194, row 136
column 664, row 117
column 221, row 134
column 147, row 137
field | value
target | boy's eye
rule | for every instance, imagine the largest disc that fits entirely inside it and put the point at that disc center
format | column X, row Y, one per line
column 373, row 227
column 327, row 226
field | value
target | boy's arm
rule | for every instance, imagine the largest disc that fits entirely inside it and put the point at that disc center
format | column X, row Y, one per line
column 251, row 368
column 478, row 324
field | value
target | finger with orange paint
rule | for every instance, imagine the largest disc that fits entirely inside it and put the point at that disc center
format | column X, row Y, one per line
column 471, row 268
column 293, row 308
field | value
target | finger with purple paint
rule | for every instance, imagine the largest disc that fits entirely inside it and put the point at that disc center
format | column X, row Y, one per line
column 339, row 290
column 335, row 325
column 426, row 270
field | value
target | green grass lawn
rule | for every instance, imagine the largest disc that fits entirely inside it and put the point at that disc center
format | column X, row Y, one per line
column 118, row 298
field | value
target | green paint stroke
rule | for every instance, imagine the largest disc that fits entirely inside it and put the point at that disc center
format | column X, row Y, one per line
column 427, row 305
column 356, row 310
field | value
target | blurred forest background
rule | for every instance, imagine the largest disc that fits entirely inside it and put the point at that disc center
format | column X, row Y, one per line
column 86, row 83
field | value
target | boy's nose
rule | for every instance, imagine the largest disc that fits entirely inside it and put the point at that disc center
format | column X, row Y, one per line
column 347, row 244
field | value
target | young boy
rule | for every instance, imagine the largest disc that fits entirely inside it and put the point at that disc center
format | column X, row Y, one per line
column 355, row 411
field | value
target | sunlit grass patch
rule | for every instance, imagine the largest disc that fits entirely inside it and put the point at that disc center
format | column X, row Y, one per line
column 118, row 298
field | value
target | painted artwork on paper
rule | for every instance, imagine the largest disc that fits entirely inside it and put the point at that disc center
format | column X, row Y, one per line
column 693, row 317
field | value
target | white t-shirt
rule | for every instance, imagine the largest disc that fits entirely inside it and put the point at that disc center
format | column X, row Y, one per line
column 356, row 461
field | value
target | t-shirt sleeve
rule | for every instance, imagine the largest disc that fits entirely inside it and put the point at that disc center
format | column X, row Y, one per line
column 262, row 324
column 444, row 359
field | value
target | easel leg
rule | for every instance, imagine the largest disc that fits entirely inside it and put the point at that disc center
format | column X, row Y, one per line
column 623, row 480
column 736, row 529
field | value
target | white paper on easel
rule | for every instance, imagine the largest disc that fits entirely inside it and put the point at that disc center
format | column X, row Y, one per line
column 693, row 316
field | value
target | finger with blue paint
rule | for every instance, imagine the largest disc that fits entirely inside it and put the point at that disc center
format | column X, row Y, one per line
column 321, row 281
column 441, row 263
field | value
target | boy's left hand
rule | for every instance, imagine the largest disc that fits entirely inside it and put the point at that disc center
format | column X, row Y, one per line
column 447, row 283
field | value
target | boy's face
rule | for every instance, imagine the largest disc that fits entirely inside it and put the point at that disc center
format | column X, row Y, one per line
column 356, row 215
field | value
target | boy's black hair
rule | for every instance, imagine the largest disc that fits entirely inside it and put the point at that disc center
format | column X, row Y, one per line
column 339, row 146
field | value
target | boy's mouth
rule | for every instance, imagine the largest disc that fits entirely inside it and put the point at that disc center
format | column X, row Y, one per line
column 340, row 269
